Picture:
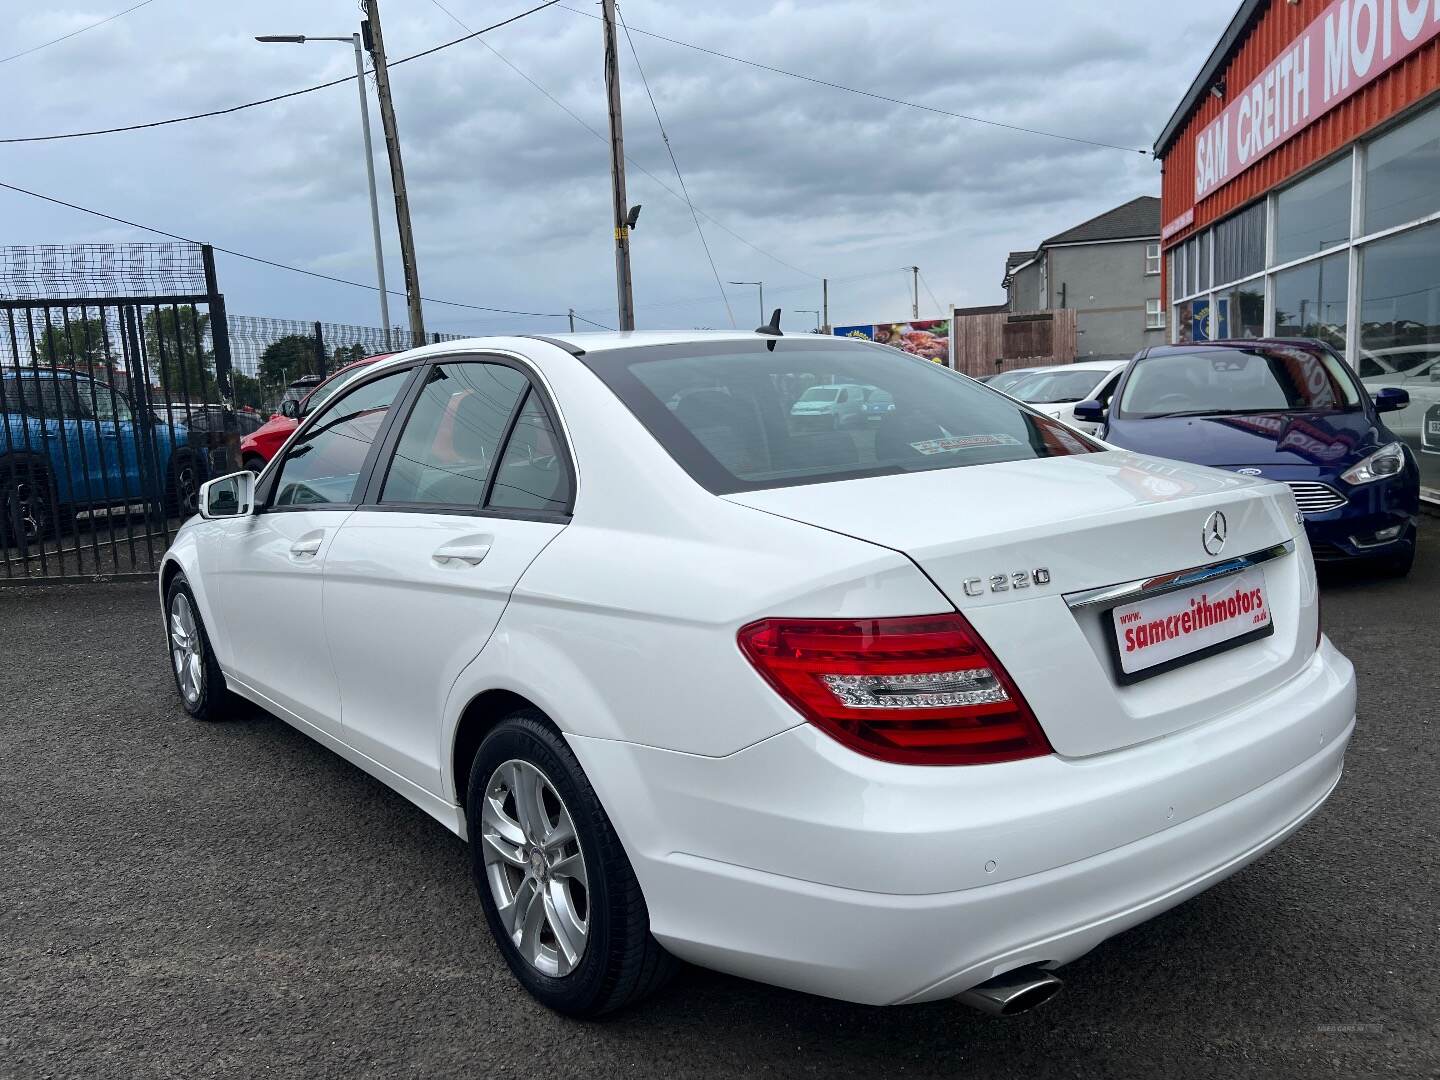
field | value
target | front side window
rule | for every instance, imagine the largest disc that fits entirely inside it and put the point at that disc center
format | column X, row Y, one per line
column 324, row 464
column 1152, row 258
column 453, row 435
column 1211, row 381
column 1154, row 314
column 741, row 416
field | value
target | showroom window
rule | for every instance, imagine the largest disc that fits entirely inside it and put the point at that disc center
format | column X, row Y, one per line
column 1245, row 310
column 1314, row 214
column 1155, row 314
column 1310, row 300
column 1401, row 168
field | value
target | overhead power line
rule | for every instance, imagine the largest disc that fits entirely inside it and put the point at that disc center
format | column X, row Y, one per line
column 868, row 93
column 930, row 293
column 272, row 263
column 276, row 97
column 678, row 176
column 73, row 33
column 629, row 160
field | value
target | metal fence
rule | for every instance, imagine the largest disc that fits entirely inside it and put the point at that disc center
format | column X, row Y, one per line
column 268, row 354
column 114, row 405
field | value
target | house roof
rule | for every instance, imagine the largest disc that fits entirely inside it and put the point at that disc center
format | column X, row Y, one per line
column 1135, row 219
column 1210, row 71
column 1017, row 258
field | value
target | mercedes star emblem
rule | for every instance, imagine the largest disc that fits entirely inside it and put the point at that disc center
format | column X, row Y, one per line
column 1213, row 535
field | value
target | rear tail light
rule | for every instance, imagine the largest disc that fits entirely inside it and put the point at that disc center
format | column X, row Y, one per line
column 920, row 690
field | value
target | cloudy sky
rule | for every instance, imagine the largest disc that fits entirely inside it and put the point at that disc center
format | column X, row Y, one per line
column 511, row 196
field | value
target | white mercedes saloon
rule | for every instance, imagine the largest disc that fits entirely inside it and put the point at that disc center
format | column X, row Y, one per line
column 912, row 703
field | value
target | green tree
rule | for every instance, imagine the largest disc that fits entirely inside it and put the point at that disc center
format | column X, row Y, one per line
column 81, row 344
column 287, row 358
column 176, row 353
column 248, row 390
column 347, row 354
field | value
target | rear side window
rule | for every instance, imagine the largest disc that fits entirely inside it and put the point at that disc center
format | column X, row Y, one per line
column 323, row 466
column 452, row 438
column 533, row 473
column 741, row 416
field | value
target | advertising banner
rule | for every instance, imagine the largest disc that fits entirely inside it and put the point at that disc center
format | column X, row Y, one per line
column 929, row 338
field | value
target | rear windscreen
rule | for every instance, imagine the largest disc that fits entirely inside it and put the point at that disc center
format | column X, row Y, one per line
column 741, row 417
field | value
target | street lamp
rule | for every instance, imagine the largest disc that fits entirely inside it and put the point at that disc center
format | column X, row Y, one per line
column 810, row 311
column 301, row 39
column 761, row 286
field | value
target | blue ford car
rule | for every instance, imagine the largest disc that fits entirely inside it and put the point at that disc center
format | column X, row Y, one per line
column 70, row 443
column 1288, row 410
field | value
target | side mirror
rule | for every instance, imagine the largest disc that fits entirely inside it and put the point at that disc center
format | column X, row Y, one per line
column 1391, row 399
column 1090, row 412
column 229, row 496
column 291, row 408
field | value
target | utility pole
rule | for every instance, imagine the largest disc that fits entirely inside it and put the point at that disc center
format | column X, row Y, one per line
column 374, row 202
column 375, row 43
column 914, row 291
column 623, row 287
column 825, row 303
column 572, row 320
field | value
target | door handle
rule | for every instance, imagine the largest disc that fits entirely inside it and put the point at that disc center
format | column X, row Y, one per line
column 472, row 553
column 306, row 547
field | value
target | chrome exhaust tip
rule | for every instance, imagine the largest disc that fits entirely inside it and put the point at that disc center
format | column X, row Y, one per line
column 1013, row 992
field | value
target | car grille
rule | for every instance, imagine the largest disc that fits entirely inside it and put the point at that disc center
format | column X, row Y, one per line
column 1313, row 498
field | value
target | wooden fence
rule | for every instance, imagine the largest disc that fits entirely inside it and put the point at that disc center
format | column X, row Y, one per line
column 1021, row 339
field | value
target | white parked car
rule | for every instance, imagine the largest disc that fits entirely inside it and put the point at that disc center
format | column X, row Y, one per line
column 1055, row 391
column 921, row 708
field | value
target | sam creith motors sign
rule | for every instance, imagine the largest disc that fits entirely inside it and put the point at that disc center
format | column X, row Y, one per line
column 1351, row 43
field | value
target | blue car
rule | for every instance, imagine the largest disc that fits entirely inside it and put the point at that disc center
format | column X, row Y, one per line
column 69, row 442
column 1288, row 410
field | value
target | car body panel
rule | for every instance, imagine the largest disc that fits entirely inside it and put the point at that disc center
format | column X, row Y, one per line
column 763, row 846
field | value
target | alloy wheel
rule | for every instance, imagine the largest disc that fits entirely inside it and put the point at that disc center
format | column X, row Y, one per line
column 535, row 868
column 187, row 653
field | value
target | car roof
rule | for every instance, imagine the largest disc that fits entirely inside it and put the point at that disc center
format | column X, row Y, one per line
column 1308, row 344
column 1086, row 365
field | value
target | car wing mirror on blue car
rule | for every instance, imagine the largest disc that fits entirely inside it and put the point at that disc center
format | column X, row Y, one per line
column 1391, row 398
column 1090, row 412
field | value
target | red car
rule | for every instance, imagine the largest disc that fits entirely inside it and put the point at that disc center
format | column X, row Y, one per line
column 257, row 448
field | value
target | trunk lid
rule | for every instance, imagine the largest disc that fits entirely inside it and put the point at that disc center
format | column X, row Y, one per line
column 1089, row 521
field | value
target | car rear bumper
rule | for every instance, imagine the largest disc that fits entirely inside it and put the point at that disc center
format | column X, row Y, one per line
column 799, row 863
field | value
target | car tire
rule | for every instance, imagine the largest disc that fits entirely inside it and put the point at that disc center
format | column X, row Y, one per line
column 617, row 961
column 28, row 504
column 198, row 678
column 254, row 462
column 182, row 485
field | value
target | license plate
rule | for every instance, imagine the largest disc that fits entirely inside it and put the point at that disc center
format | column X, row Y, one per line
column 1180, row 627
column 1433, row 426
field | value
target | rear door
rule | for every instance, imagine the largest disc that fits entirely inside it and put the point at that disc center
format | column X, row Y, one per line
column 471, row 489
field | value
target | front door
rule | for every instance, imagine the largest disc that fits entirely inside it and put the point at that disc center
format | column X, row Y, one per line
column 271, row 565
column 417, row 578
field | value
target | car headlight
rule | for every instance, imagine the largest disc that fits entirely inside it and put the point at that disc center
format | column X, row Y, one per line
column 1387, row 461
